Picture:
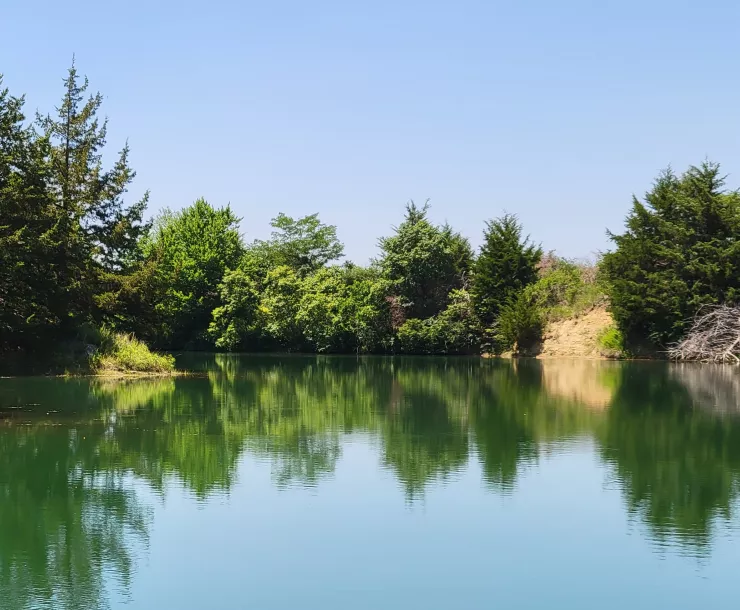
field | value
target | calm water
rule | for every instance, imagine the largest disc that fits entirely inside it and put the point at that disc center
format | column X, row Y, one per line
column 336, row 483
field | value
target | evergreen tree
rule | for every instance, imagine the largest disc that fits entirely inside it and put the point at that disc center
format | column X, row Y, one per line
column 42, row 264
column 507, row 263
column 681, row 250
column 89, row 194
column 424, row 263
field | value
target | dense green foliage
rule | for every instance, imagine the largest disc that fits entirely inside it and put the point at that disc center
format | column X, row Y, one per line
column 456, row 330
column 305, row 245
column 424, row 263
column 190, row 251
column 564, row 289
column 65, row 230
column 33, row 295
column 505, row 266
column 681, row 250
column 74, row 255
column 611, row 342
column 520, row 323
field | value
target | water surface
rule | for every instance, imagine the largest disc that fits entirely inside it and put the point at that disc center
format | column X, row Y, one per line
column 322, row 483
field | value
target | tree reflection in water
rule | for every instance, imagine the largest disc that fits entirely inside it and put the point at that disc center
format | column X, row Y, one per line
column 70, row 515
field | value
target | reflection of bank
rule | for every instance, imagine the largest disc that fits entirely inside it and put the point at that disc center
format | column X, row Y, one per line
column 588, row 382
column 713, row 387
column 677, row 466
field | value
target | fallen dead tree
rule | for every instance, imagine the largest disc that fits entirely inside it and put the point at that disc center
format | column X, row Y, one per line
column 713, row 337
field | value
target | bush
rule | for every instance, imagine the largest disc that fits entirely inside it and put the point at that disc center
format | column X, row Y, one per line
column 520, row 324
column 415, row 336
column 118, row 352
column 567, row 289
column 611, row 342
column 456, row 330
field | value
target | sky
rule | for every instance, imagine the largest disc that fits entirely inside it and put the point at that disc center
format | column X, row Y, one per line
column 556, row 111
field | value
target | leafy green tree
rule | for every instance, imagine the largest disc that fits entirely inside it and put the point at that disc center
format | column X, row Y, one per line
column 25, row 219
column 455, row 330
column 343, row 309
column 680, row 251
column 66, row 231
column 365, row 310
column 507, row 263
column 279, row 306
column 321, row 311
column 423, row 263
column 335, row 309
column 234, row 321
column 192, row 249
column 305, row 244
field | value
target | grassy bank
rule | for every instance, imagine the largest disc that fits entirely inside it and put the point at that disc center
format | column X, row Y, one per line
column 93, row 352
column 121, row 354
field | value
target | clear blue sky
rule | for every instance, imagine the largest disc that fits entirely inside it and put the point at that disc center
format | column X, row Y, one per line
column 557, row 111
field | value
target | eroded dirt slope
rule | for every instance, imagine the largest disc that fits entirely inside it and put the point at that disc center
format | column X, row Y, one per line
column 576, row 337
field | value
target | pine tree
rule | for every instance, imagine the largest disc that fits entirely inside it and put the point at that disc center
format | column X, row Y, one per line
column 507, row 263
column 681, row 250
column 37, row 244
column 89, row 194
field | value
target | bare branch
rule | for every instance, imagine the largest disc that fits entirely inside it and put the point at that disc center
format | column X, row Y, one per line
column 714, row 337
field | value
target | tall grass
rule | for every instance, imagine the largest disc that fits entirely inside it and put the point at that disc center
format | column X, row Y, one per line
column 120, row 352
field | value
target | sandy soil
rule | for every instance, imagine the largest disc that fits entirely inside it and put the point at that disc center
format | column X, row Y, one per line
column 575, row 337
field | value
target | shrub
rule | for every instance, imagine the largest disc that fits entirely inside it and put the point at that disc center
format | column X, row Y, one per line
column 456, row 330
column 520, row 324
column 566, row 288
column 611, row 342
column 415, row 336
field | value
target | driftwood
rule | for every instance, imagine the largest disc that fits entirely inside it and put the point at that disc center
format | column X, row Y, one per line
column 713, row 337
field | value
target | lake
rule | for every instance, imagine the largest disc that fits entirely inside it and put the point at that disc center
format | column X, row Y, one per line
column 342, row 483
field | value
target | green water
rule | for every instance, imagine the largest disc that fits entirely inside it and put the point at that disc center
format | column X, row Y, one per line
column 323, row 483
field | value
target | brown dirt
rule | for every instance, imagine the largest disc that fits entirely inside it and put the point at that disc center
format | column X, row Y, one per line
column 578, row 380
column 575, row 337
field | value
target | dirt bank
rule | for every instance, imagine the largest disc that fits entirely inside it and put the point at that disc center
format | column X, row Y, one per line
column 583, row 381
column 575, row 337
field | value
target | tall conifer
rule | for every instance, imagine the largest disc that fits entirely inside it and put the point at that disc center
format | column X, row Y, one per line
column 506, row 264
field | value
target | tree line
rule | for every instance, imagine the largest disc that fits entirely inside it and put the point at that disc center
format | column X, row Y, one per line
column 76, row 256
